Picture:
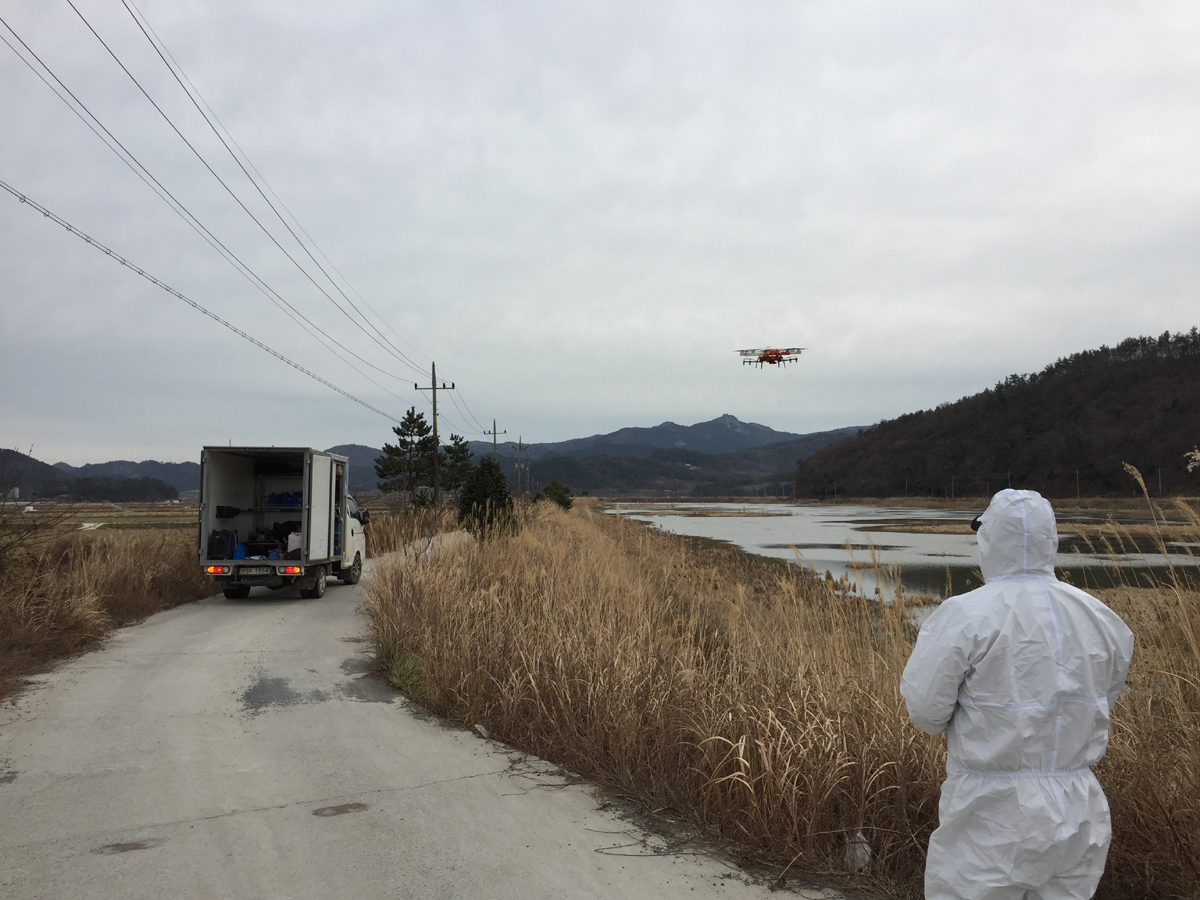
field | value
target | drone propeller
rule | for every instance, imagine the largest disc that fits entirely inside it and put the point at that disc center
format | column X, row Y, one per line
column 750, row 352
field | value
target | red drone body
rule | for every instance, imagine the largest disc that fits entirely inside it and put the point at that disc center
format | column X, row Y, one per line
column 771, row 356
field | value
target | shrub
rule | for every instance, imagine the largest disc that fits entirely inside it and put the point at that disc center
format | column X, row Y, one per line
column 484, row 499
column 556, row 492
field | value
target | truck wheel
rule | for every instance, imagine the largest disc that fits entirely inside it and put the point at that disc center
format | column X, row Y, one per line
column 352, row 574
column 237, row 592
column 317, row 591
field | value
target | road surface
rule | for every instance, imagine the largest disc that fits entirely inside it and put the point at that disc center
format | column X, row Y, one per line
column 241, row 749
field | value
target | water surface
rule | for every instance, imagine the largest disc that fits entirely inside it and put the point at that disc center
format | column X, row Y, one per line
column 847, row 540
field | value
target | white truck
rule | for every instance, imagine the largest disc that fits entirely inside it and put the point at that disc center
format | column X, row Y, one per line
column 278, row 516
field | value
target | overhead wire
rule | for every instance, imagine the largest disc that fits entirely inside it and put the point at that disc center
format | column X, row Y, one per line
column 213, row 121
column 131, row 161
column 23, row 198
column 386, row 345
column 198, row 100
column 147, row 177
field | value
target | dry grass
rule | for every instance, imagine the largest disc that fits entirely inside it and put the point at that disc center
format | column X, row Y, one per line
column 66, row 595
column 404, row 529
column 756, row 701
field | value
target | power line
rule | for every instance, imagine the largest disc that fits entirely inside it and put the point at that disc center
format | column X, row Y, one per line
column 134, row 164
column 192, row 303
column 384, row 344
column 210, row 116
column 85, row 115
column 207, row 111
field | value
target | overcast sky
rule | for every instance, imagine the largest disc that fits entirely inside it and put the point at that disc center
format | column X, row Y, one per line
column 581, row 210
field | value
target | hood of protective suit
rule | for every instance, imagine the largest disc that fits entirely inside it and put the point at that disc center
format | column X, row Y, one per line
column 1017, row 536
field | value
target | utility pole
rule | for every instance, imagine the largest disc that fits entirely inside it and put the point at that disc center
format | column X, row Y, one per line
column 520, row 466
column 1077, row 484
column 951, row 487
column 437, row 447
column 493, row 433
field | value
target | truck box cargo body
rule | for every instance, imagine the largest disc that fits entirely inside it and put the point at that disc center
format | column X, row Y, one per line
column 277, row 516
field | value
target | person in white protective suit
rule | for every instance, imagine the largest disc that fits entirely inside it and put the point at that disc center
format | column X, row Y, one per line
column 1020, row 674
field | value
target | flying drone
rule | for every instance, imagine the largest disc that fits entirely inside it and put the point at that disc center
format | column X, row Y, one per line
column 771, row 356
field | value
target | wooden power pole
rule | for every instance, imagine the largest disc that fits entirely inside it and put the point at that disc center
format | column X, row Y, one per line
column 520, row 466
column 437, row 447
column 493, row 433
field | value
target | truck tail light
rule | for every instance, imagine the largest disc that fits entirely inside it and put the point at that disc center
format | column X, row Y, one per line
column 290, row 570
column 217, row 570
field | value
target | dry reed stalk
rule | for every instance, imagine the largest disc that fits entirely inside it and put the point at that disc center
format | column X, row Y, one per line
column 68, row 595
column 758, row 701
column 401, row 528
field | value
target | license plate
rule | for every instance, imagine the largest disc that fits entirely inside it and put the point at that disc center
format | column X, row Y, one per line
column 254, row 570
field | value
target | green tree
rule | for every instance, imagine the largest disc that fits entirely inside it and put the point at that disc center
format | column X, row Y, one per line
column 484, row 498
column 556, row 492
column 408, row 464
column 458, row 463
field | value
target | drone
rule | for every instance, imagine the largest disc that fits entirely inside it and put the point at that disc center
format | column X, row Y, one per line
column 770, row 356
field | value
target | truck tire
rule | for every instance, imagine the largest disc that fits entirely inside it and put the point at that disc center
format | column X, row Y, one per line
column 353, row 573
column 236, row 592
column 317, row 591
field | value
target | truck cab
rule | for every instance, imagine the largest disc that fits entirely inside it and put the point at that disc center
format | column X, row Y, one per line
column 278, row 516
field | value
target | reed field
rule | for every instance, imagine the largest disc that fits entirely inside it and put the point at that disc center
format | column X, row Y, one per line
column 405, row 530
column 755, row 700
column 65, row 587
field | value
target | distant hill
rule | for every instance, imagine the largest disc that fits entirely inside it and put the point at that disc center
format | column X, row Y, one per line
column 31, row 477
column 678, row 472
column 627, row 461
column 35, row 479
column 183, row 476
column 721, row 435
column 1083, row 416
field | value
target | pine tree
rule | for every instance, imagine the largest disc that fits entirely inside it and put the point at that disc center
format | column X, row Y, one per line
column 458, row 463
column 408, row 464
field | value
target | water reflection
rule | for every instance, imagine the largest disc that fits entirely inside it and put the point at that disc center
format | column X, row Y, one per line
column 859, row 541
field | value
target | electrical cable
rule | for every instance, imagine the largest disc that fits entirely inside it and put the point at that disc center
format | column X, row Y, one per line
column 207, row 111
column 210, row 116
column 192, row 303
column 127, row 157
column 135, row 165
column 384, row 344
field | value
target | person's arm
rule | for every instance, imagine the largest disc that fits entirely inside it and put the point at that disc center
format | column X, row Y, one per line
column 1122, row 656
column 934, row 672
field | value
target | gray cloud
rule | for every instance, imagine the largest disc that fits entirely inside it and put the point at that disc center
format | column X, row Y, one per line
column 580, row 210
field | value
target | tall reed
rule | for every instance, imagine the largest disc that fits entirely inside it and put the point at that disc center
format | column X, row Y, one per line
column 67, row 594
column 755, row 700
column 403, row 529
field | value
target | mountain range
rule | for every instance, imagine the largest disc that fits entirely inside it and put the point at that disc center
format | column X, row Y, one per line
column 183, row 476
column 718, row 457
column 720, row 435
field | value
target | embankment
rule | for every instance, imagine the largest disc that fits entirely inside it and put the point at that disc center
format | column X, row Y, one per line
column 757, row 702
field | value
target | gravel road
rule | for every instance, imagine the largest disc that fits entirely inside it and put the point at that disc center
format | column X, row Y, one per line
column 242, row 749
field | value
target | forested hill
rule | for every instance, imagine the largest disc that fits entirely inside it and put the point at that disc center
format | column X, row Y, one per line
column 1138, row 402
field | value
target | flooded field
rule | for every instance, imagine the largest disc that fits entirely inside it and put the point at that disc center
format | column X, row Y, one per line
column 930, row 551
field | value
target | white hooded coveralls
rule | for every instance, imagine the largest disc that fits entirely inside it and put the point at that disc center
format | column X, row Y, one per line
column 1020, row 674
